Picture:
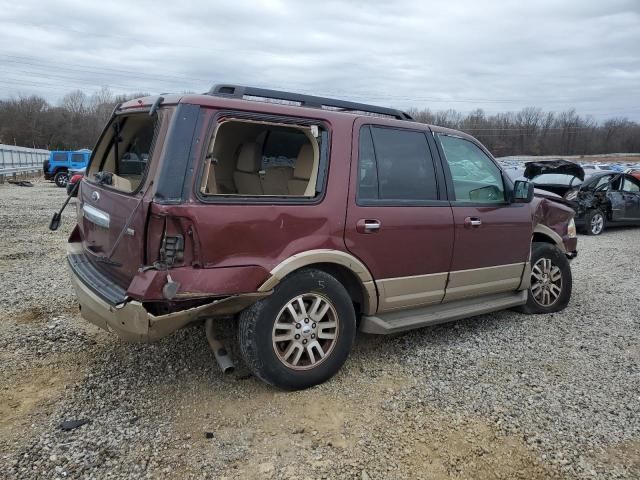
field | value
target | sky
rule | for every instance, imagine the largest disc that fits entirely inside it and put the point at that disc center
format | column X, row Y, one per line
column 460, row 54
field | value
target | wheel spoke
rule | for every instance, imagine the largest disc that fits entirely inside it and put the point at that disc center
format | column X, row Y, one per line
column 310, row 354
column 555, row 290
column 326, row 335
column 283, row 338
column 316, row 314
column 293, row 313
column 292, row 348
column 303, row 309
column 555, row 274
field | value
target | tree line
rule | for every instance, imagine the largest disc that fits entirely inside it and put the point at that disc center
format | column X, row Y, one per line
column 76, row 122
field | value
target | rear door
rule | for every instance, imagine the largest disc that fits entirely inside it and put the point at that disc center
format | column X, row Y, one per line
column 77, row 161
column 113, row 202
column 492, row 236
column 398, row 221
column 630, row 193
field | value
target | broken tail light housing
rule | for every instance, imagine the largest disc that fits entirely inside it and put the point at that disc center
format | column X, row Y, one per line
column 172, row 249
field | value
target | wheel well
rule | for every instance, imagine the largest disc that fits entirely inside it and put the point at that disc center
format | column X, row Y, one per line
column 60, row 169
column 349, row 281
column 541, row 237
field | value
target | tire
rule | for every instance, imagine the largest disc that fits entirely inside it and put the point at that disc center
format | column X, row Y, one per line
column 595, row 222
column 61, row 178
column 547, row 260
column 257, row 332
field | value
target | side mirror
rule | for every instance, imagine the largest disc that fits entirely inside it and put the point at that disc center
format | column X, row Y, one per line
column 522, row 191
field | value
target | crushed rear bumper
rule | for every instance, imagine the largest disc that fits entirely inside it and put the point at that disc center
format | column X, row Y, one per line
column 107, row 306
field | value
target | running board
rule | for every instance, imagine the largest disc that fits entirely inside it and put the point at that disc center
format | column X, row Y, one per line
column 393, row 322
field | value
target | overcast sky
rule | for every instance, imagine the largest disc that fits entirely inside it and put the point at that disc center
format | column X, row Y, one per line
column 462, row 54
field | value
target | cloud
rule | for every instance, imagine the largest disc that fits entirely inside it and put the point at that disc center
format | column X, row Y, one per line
column 463, row 54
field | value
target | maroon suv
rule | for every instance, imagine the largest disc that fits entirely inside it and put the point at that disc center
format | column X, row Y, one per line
column 307, row 218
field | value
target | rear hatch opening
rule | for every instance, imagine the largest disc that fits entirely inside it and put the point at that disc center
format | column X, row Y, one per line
column 113, row 203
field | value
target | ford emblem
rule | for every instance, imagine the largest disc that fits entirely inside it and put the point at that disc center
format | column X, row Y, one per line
column 95, row 196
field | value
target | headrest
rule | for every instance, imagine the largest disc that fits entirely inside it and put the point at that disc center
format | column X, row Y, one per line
column 304, row 163
column 249, row 158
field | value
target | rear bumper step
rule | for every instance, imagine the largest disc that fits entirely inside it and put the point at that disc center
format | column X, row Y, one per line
column 107, row 306
column 100, row 284
column 394, row 322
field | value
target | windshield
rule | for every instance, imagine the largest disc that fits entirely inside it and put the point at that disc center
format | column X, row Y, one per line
column 122, row 155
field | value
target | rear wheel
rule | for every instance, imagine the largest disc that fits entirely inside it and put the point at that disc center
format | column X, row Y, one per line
column 301, row 334
column 551, row 280
column 595, row 222
column 61, row 179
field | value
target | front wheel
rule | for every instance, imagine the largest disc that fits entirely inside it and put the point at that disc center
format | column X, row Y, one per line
column 551, row 280
column 61, row 179
column 301, row 334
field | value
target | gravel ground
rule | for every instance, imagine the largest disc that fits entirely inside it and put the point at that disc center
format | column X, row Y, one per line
column 499, row 396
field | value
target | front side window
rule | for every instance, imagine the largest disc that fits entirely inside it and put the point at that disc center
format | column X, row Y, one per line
column 252, row 158
column 475, row 177
column 599, row 183
column 77, row 157
column 121, row 158
column 395, row 164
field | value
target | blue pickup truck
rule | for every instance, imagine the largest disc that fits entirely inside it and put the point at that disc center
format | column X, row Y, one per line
column 60, row 163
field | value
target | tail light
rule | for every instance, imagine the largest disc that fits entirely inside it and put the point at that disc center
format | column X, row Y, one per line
column 171, row 241
column 172, row 249
column 76, row 178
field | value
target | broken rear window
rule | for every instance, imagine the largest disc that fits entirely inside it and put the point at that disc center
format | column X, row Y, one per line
column 122, row 156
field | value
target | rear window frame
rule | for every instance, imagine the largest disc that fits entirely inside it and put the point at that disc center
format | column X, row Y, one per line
column 324, row 165
column 158, row 119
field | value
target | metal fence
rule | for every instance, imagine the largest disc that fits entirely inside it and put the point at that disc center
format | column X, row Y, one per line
column 15, row 160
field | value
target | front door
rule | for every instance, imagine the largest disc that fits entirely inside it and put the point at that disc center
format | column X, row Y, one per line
column 492, row 236
column 399, row 223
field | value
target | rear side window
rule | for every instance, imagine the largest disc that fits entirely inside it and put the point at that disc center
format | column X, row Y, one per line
column 60, row 157
column 77, row 157
column 630, row 185
column 475, row 177
column 395, row 164
column 254, row 158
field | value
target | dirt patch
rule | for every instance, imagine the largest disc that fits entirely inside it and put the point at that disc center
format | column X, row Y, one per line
column 314, row 432
column 30, row 315
column 34, row 389
column 625, row 454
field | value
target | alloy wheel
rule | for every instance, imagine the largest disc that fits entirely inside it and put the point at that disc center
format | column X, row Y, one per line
column 62, row 180
column 546, row 282
column 597, row 223
column 305, row 331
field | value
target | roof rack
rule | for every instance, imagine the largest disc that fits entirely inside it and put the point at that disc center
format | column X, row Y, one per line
column 300, row 100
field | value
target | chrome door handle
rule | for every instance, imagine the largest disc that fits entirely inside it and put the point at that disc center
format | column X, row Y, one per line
column 472, row 222
column 368, row 225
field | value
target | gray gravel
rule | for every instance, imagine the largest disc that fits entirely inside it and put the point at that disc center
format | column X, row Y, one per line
column 499, row 396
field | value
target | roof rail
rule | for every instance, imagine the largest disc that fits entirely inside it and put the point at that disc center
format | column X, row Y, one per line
column 300, row 100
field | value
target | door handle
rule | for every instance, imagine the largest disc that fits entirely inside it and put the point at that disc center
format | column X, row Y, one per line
column 472, row 222
column 368, row 225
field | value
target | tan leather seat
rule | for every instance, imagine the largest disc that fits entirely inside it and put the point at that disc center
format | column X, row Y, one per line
column 246, row 175
column 302, row 171
column 275, row 180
